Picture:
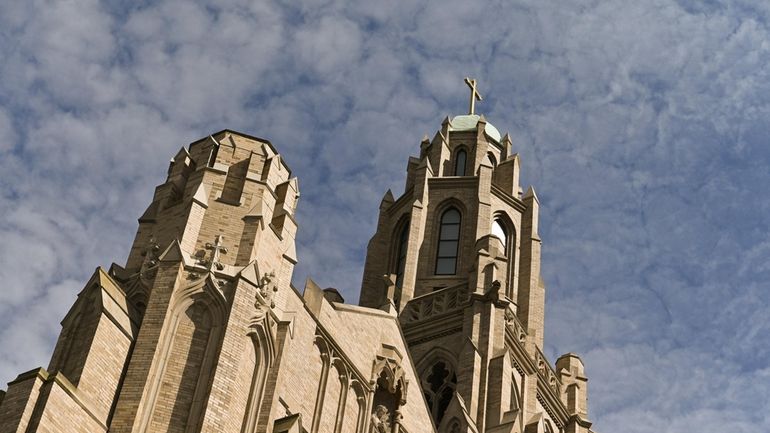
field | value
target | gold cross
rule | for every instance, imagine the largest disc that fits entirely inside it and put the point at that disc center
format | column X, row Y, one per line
column 471, row 82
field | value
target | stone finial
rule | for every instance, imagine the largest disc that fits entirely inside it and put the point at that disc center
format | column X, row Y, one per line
column 531, row 195
column 575, row 395
column 387, row 200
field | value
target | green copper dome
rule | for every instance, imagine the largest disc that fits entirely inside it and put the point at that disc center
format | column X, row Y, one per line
column 468, row 122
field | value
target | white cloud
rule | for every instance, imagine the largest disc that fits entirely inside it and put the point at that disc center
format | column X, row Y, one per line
column 643, row 127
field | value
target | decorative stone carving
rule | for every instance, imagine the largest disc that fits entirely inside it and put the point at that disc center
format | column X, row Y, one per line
column 547, row 373
column 439, row 302
column 513, row 324
column 150, row 254
column 394, row 375
column 266, row 289
column 380, row 420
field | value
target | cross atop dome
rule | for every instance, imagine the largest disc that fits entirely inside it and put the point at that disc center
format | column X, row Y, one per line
column 475, row 95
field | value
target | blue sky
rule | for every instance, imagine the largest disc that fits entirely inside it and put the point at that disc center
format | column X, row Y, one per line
column 643, row 126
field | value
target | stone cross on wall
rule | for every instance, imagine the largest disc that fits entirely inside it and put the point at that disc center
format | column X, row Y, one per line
column 216, row 249
column 475, row 95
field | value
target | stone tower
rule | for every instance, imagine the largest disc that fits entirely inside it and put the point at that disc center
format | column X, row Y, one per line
column 202, row 331
column 458, row 256
column 157, row 345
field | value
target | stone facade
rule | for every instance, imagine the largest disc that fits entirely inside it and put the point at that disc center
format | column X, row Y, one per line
column 202, row 331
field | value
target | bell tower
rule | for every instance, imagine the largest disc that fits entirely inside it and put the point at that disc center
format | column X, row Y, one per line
column 457, row 256
column 211, row 251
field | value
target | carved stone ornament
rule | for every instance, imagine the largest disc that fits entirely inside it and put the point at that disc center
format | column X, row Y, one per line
column 394, row 374
column 380, row 420
column 150, row 254
column 267, row 289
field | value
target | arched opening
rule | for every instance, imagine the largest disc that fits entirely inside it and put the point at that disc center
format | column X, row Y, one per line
column 461, row 157
column 439, row 383
column 448, row 242
column 186, row 380
column 492, row 159
column 503, row 229
column 260, row 358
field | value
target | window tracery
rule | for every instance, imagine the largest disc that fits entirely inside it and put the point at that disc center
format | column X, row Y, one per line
column 439, row 385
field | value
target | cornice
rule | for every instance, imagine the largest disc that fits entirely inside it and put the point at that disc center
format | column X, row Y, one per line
column 453, row 182
column 515, row 202
column 551, row 402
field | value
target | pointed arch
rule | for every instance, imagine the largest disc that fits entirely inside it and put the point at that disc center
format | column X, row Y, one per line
column 505, row 230
column 492, row 159
column 262, row 342
column 362, row 401
column 186, row 358
column 325, row 352
column 343, row 375
column 400, row 243
column 439, row 381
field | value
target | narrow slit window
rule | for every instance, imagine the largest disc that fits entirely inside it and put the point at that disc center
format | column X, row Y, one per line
column 448, row 243
column 460, row 160
column 403, row 240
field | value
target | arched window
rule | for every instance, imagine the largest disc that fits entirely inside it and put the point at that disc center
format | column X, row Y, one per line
column 448, row 242
column 460, row 158
column 492, row 159
column 500, row 231
column 403, row 239
column 439, row 384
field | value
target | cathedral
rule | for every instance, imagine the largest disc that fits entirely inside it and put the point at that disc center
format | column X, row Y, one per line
column 202, row 331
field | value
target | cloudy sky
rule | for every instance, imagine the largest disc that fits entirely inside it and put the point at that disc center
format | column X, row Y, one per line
column 643, row 125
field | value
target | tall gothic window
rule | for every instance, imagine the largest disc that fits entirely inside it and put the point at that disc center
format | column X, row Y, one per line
column 505, row 231
column 460, row 160
column 403, row 240
column 449, row 240
column 439, row 386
